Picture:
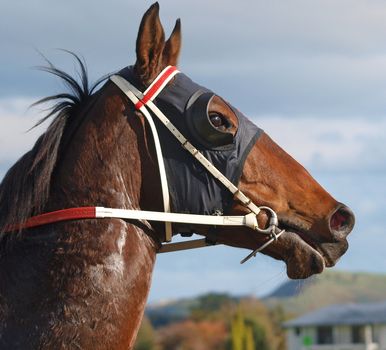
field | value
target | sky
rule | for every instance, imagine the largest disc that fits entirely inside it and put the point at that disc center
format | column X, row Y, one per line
column 311, row 73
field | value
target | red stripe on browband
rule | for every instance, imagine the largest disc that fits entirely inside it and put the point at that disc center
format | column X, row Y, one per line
column 55, row 216
column 157, row 84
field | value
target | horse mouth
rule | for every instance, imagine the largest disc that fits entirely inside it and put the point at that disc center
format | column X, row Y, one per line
column 306, row 256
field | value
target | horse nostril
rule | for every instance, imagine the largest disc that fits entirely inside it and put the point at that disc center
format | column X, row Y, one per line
column 342, row 222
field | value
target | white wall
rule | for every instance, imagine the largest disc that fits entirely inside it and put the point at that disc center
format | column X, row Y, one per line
column 342, row 335
column 295, row 342
column 380, row 335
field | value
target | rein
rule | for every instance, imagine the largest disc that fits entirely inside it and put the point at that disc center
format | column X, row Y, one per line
column 144, row 103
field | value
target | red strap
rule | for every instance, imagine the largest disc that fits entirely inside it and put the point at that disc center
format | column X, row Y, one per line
column 156, row 85
column 86, row 212
column 55, row 216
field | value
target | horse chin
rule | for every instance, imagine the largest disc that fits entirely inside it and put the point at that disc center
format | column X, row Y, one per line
column 305, row 258
column 302, row 259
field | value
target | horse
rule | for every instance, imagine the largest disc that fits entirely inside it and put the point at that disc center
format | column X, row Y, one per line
column 81, row 282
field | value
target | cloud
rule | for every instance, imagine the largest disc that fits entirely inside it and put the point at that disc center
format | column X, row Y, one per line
column 15, row 139
column 323, row 57
column 179, row 275
column 336, row 144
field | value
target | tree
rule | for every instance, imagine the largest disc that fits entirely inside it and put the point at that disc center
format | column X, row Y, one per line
column 247, row 333
column 258, row 334
column 249, row 339
column 146, row 339
column 278, row 317
column 209, row 305
column 238, row 331
column 190, row 335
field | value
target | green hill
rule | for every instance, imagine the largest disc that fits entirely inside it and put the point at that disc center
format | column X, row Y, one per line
column 331, row 287
column 293, row 297
column 179, row 310
column 162, row 314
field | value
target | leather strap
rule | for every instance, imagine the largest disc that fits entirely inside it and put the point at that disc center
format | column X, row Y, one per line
column 142, row 102
column 248, row 220
column 129, row 90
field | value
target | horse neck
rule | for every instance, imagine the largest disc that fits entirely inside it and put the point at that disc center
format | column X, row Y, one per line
column 109, row 164
column 94, row 276
column 111, row 160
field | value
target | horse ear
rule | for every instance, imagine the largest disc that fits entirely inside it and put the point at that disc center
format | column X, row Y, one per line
column 150, row 45
column 173, row 46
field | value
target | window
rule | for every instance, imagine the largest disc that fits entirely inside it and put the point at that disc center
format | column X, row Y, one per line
column 358, row 334
column 325, row 335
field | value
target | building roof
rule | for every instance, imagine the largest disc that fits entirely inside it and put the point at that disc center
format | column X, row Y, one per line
column 343, row 314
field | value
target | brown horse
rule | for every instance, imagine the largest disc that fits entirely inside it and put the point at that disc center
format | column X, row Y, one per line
column 83, row 284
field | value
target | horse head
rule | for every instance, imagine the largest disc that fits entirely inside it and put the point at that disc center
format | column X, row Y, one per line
column 316, row 225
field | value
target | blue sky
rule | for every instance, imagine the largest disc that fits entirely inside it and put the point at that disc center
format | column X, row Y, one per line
column 311, row 73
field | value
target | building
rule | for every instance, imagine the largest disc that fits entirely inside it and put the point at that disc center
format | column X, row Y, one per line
column 340, row 327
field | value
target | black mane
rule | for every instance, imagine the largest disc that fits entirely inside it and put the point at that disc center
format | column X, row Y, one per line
column 25, row 188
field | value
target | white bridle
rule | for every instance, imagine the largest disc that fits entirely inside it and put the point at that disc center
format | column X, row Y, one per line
column 144, row 103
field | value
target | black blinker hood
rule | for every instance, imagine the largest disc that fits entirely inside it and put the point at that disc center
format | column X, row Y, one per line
column 192, row 188
column 197, row 118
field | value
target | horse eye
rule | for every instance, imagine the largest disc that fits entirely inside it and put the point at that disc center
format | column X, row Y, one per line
column 218, row 121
